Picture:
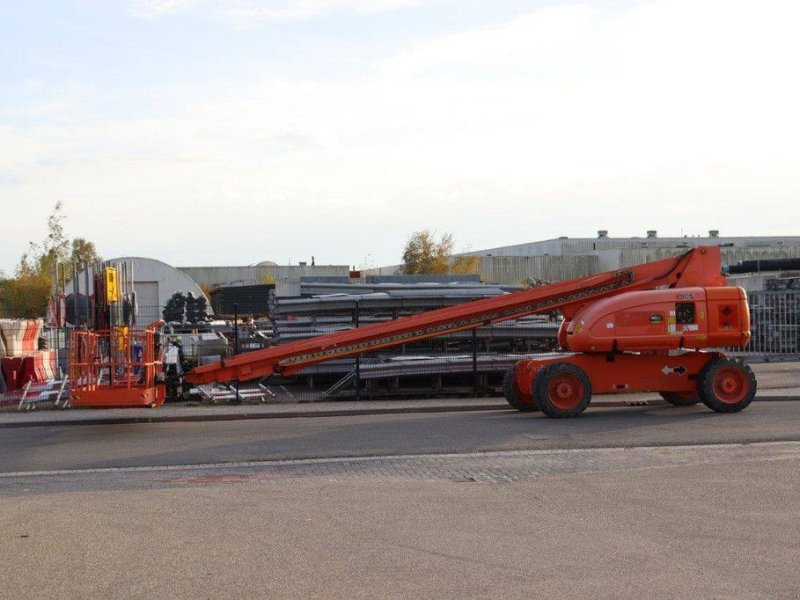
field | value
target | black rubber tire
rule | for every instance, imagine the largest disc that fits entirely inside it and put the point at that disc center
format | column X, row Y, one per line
column 513, row 397
column 714, row 397
column 677, row 399
column 541, row 390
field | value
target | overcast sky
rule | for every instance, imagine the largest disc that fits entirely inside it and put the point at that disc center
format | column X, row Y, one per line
column 212, row 132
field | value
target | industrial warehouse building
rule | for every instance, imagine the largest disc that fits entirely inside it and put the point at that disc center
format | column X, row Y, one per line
column 565, row 246
column 567, row 258
column 546, row 260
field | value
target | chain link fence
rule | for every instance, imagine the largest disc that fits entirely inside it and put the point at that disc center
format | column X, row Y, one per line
column 775, row 325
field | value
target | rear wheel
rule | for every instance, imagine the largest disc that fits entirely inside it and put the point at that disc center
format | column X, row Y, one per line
column 562, row 390
column 681, row 398
column 727, row 385
column 512, row 393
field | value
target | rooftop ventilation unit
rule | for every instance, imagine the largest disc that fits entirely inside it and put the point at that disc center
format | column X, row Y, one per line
column 651, row 233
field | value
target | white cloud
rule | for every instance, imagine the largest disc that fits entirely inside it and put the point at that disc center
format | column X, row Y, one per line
column 536, row 36
column 153, row 9
column 669, row 115
column 250, row 14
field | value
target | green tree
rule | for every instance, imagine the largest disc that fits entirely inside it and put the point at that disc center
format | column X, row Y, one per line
column 41, row 256
column 424, row 254
column 83, row 252
column 464, row 265
column 26, row 294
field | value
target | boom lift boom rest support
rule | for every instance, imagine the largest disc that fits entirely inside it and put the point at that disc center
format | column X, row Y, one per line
column 698, row 269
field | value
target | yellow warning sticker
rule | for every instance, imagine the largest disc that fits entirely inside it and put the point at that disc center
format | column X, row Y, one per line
column 112, row 287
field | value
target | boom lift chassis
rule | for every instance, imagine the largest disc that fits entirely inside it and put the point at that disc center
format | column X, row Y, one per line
column 648, row 328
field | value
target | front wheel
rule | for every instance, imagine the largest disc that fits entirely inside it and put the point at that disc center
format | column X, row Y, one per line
column 562, row 390
column 727, row 385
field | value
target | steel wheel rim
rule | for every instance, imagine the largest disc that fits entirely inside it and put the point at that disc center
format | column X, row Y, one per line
column 565, row 391
column 730, row 385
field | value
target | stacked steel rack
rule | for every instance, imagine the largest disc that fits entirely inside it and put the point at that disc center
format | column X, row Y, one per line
column 467, row 362
column 775, row 318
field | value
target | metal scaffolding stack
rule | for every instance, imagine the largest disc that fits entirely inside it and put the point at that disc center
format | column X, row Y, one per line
column 775, row 319
column 456, row 363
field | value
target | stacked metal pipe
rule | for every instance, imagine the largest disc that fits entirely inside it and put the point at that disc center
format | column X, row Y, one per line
column 327, row 307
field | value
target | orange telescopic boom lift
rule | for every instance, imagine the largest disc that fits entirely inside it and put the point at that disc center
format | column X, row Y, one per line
column 646, row 328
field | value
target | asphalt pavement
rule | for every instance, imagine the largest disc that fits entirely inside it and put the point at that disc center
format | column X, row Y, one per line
column 160, row 444
column 660, row 522
column 433, row 499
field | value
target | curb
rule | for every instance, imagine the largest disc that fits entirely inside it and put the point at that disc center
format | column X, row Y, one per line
column 245, row 416
column 307, row 414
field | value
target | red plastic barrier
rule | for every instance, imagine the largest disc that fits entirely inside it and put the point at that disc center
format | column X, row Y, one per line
column 11, row 366
column 36, row 368
column 27, row 371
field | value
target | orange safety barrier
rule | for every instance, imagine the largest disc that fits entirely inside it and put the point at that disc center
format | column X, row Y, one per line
column 38, row 366
column 115, row 368
column 21, row 335
column 49, row 363
column 33, row 328
column 10, row 330
column 44, row 364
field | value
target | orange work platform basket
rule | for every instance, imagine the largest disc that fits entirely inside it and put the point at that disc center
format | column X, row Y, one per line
column 116, row 367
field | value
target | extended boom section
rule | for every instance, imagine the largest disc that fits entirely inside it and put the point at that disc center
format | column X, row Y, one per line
column 697, row 267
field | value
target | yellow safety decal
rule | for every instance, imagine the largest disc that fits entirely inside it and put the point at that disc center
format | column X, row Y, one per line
column 112, row 287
